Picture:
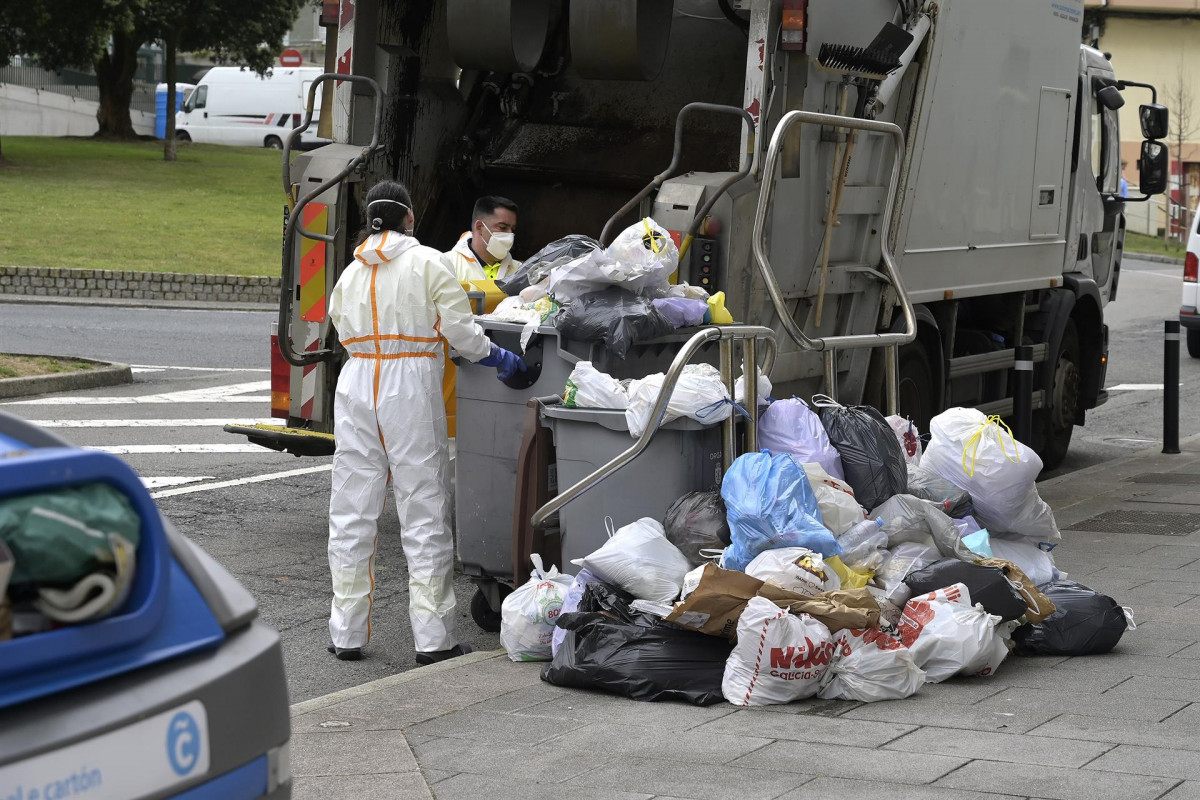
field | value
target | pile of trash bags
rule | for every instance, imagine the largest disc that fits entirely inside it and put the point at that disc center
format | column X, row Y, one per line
column 617, row 295
column 849, row 559
column 67, row 556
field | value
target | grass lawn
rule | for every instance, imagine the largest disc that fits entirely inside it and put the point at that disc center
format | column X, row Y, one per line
column 1140, row 243
column 117, row 205
column 23, row 366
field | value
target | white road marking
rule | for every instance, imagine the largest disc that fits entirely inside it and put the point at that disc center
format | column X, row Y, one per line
column 147, row 423
column 230, row 393
column 271, row 476
column 141, row 370
column 157, row 483
column 199, row 369
column 1137, row 387
column 1155, row 274
column 158, row 449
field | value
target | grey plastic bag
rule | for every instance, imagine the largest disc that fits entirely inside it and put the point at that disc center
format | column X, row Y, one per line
column 696, row 522
column 929, row 486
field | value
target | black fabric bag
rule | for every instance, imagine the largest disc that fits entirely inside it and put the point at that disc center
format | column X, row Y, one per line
column 1086, row 623
column 535, row 268
column 697, row 522
column 987, row 585
column 616, row 317
column 872, row 460
column 929, row 486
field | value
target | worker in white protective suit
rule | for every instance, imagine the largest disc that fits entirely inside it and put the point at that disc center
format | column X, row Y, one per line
column 393, row 307
column 481, row 253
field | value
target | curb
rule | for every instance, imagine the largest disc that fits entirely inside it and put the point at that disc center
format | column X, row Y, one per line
column 120, row 302
column 189, row 287
column 333, row 698
column 109, row 374
column 1154, row 257
column 1103, row 466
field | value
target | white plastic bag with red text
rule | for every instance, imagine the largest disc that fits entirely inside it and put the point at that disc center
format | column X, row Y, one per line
column 949, row 636
column 527, row 616
column 870, row 665
column 779, row 656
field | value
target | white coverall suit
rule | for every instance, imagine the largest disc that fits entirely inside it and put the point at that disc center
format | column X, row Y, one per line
column 393, row 307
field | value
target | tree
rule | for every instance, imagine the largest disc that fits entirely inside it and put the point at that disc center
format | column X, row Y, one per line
column 1184, row 125
column 234, row 30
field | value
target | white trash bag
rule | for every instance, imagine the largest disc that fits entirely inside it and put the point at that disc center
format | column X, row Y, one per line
column 979, row 454
column 699, row 394
column 796, row 569
column 641, row 560
column 527, row 616
column 764, row 390
column 571, row 604
column 901, row 560
column 948, row 636
column 588, row 387
column 909, row 436
column 839, row 510
column 646, row 254
column 779, row 657
column 1033, row 560
column 870, row 665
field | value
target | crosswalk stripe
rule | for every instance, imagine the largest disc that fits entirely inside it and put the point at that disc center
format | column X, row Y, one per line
column 153, row 449
column 215, row 422
column 271, row 476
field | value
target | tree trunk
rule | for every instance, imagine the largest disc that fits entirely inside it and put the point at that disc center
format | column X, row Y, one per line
column 169, row 149
column 114, row 78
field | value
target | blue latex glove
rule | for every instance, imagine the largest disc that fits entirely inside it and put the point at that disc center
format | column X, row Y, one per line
column 507, row 363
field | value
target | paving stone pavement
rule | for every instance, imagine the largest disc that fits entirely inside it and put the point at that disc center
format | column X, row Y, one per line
column 1120, row 725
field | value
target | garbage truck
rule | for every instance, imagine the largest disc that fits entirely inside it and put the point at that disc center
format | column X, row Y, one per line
column 904, row 191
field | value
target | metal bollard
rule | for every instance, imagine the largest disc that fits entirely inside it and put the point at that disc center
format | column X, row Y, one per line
column 1171, row 388
column 1023, row 394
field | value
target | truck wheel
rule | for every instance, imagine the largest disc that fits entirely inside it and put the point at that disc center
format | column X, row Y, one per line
column 917, row 394
column 485, row 616
column 273, row 142
column 1193, row 342
column 182, row 136
column 1058, row 419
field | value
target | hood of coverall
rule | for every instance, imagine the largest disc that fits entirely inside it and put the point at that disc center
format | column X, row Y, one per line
column 383, row 247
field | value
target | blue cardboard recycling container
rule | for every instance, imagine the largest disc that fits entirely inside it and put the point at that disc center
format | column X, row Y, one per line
column 160, row 105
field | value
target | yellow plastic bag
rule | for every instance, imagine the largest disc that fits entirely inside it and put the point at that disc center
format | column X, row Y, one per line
column 720, row 314
column 850, row 578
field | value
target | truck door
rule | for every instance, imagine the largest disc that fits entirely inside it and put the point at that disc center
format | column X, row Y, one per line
column 1098, row 210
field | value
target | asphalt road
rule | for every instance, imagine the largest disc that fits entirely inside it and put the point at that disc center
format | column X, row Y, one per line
column 196, row 370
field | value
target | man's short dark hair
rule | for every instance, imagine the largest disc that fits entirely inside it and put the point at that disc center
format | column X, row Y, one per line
column 487, row 205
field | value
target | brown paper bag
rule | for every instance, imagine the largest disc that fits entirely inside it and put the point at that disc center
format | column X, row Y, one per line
column 1037, row 605
column 721, row 596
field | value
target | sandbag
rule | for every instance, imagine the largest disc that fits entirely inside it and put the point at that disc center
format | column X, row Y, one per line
column 979, row 454
column 1085, row 623
column 796, row 569
column 779, row 657
column 641, row 662
column 928, row 486
column 699, row 394
column 639, row 559
column 949, row 636
column 987, row 585
column 840, row 511
column 588, row 387
column 770, row 503
column 527, row 615
column 868, row 666
column 872, row 460
column 909, row 437
column 790, row 426
column 614, row 316
column 696, row 522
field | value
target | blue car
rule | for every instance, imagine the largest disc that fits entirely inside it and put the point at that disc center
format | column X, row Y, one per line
column 179, row 692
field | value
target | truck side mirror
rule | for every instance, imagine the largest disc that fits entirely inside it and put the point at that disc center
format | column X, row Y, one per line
column 1110, row 97
column 1155, row 120
column 1152, row 167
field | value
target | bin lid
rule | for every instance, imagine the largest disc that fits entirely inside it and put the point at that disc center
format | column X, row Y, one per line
column 614, row 419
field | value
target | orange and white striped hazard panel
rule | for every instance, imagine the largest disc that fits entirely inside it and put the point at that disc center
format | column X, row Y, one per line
column 312, row 264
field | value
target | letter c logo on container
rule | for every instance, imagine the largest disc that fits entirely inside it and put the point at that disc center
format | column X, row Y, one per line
column 183, row 743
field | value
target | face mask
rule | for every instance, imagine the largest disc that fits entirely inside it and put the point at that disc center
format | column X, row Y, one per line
column 500, row 243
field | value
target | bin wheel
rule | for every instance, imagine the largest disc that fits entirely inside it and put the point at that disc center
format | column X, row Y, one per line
column 485, row 616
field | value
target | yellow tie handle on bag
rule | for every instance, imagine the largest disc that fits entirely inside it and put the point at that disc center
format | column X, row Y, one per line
column 973, row 444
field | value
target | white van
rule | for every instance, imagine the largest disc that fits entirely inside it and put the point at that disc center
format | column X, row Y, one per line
column 233, row 105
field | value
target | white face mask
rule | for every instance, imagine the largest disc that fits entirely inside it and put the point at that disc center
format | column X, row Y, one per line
column 500, row 243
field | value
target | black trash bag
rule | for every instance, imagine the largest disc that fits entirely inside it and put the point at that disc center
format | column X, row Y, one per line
column 929, row 486
column 697, row 522
column 535, row 268
column 603, row 598
column 1086, row 623
column 872, row 459
column 987, row 585
column 641, row 662
column 616, row 317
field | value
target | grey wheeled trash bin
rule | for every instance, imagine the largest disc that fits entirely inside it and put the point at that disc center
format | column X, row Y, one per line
column 684, row 456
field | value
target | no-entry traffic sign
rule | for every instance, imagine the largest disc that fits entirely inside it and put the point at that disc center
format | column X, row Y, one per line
column 290, row 58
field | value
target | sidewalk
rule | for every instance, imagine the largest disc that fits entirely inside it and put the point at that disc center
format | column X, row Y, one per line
column 1120, row 725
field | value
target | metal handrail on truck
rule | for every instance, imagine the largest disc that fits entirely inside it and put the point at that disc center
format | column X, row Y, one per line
column 830, row 344
column 725, row 336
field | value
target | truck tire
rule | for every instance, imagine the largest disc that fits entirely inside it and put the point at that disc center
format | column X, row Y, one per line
column 917, row 393
column 182, row 136
column 1062, row 401
column 273, row 142
column 1193, row 342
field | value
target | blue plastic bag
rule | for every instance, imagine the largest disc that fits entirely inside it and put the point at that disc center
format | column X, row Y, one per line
column 770, row 503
